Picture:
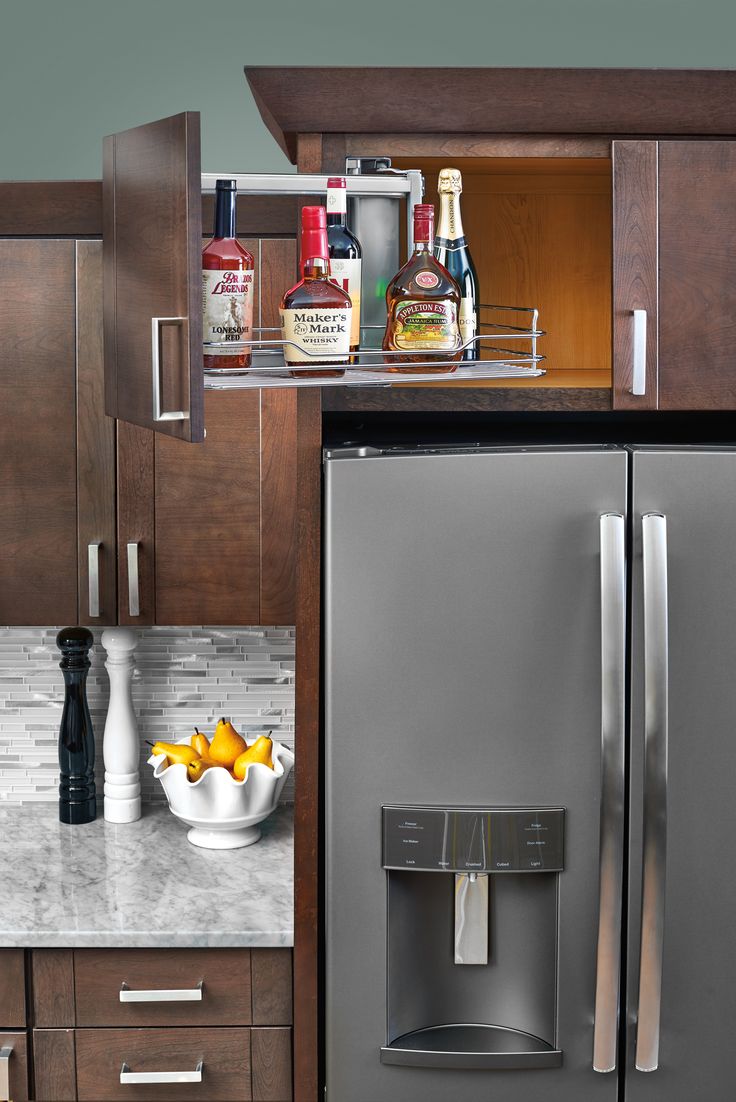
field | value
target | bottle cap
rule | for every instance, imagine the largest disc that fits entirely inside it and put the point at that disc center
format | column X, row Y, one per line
column 449, row 181
column 423, row 222
column 314, row 234
column 226, row 185
column 337, row 181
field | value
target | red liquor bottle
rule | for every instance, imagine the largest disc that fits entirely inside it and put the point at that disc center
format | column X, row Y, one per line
column 227, row 286
column 423, row 304
column 316, row 314
column 345, row 251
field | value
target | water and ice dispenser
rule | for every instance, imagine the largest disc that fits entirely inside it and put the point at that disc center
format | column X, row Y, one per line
column 472, row 936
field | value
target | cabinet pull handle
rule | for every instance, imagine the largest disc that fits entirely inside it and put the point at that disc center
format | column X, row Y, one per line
column 134, row 589
column 611, row 852
column 654, row 552
column 5, row 1053
column 128, row 1076
column 639, row 367
column 158, row 412
column 93, row 572
column 183, row 995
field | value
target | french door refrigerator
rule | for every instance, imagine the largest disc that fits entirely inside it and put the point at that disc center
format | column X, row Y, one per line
column 530, row 721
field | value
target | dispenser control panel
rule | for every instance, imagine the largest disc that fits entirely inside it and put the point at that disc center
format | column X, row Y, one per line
column 439, row 839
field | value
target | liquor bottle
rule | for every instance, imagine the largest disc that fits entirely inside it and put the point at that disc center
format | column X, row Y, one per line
column 345, row 251
column 451, row 249
column 77, row 800
column 423, row 302
column 316, row 314
column 227, row 286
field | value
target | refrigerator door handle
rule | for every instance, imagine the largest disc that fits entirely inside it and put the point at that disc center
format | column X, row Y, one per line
column 654, row 544
column 611, row 852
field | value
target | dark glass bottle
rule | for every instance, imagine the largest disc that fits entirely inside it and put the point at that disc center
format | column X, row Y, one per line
column 345, row 252
column 77, row 802
column 316, row 314
column 423, row 302
column 227, row 286
column 451, row 249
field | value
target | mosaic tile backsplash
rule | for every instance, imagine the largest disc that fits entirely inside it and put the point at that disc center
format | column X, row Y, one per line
column 183, row 677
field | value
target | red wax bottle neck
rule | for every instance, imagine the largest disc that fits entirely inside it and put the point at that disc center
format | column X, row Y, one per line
column 314, row 245
column 423, row 226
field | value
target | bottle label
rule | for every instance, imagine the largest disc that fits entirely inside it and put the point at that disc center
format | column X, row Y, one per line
column 427, row 279
column 467, row 319
column 347, row 274
column 227, row 308
column 337, row 200
column 423, row 325
column 323, row 334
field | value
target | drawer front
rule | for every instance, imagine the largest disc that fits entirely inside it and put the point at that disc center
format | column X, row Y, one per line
column 224, row 1054
column 143, row 975
column 17, row 1066
column 12, row 989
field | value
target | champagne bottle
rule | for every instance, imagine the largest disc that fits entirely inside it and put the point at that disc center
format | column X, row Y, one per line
column 451, row 249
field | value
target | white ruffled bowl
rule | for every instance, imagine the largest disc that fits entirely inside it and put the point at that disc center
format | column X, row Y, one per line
column 221, row 811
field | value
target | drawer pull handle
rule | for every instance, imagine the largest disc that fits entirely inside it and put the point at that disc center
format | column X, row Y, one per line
column 185, row 995
column 128, row 1076
column 5, row 1053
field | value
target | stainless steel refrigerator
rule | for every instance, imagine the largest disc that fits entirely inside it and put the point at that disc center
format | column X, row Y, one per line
column 530, row 750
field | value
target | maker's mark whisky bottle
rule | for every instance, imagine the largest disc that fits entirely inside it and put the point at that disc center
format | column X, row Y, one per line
column 451, row 249
column 316, row 314
column 227, row 286
column 423, row 304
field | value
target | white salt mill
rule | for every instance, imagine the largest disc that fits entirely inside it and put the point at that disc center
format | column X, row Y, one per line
column 121, row 745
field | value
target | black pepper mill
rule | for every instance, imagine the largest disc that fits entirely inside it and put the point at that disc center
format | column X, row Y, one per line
column 77, row 803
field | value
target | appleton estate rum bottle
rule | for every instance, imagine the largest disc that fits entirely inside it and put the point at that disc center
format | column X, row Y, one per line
column 316, row 314
column 451, row 249
column 423, row 303
column 345, row 251
column 227, row 286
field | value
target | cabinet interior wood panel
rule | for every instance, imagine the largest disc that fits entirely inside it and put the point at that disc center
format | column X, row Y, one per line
column 95, row 443
column 271, row 1059
column 539, row 230
column 12, row 989
column 697, row 274
column 54, row 1068
column 18, row 1068
column 224, row 974
column 224, row 1052
column 207, row 517
column 52, row 973
column 38, row 535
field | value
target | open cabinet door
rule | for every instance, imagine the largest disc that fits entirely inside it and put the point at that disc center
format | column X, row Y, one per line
column 152, row 238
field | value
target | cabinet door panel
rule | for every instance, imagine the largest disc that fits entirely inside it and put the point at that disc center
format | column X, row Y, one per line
column 38, row 502
column 12, row 988
column 95, row 449
column 224, row 1052
column 207, row 512
column 697, row 275
column 634, row 268
column 135, row 523
column 18, row 1068
column 152, row 214
column 54, row 1070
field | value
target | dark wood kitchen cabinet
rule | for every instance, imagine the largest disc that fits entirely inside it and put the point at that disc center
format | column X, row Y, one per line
column 13, row 1036
column 239, row 1028
column 57, row 482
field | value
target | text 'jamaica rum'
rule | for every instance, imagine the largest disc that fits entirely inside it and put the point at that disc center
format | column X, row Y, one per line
column 423, row 304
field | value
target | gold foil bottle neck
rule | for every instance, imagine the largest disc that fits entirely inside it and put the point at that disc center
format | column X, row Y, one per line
column 450, row 181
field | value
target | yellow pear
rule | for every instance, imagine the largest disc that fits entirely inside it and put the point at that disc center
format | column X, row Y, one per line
column 226, row 745
column 260, row 751
column 175, row 752
column 196, row 768
column 200, row 743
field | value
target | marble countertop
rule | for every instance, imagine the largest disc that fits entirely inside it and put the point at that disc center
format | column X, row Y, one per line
column 141, row 884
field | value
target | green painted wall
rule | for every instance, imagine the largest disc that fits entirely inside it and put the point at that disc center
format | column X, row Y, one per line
column 74, row 70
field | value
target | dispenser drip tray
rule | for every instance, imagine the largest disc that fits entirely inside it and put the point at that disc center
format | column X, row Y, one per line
column 471, row 1046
